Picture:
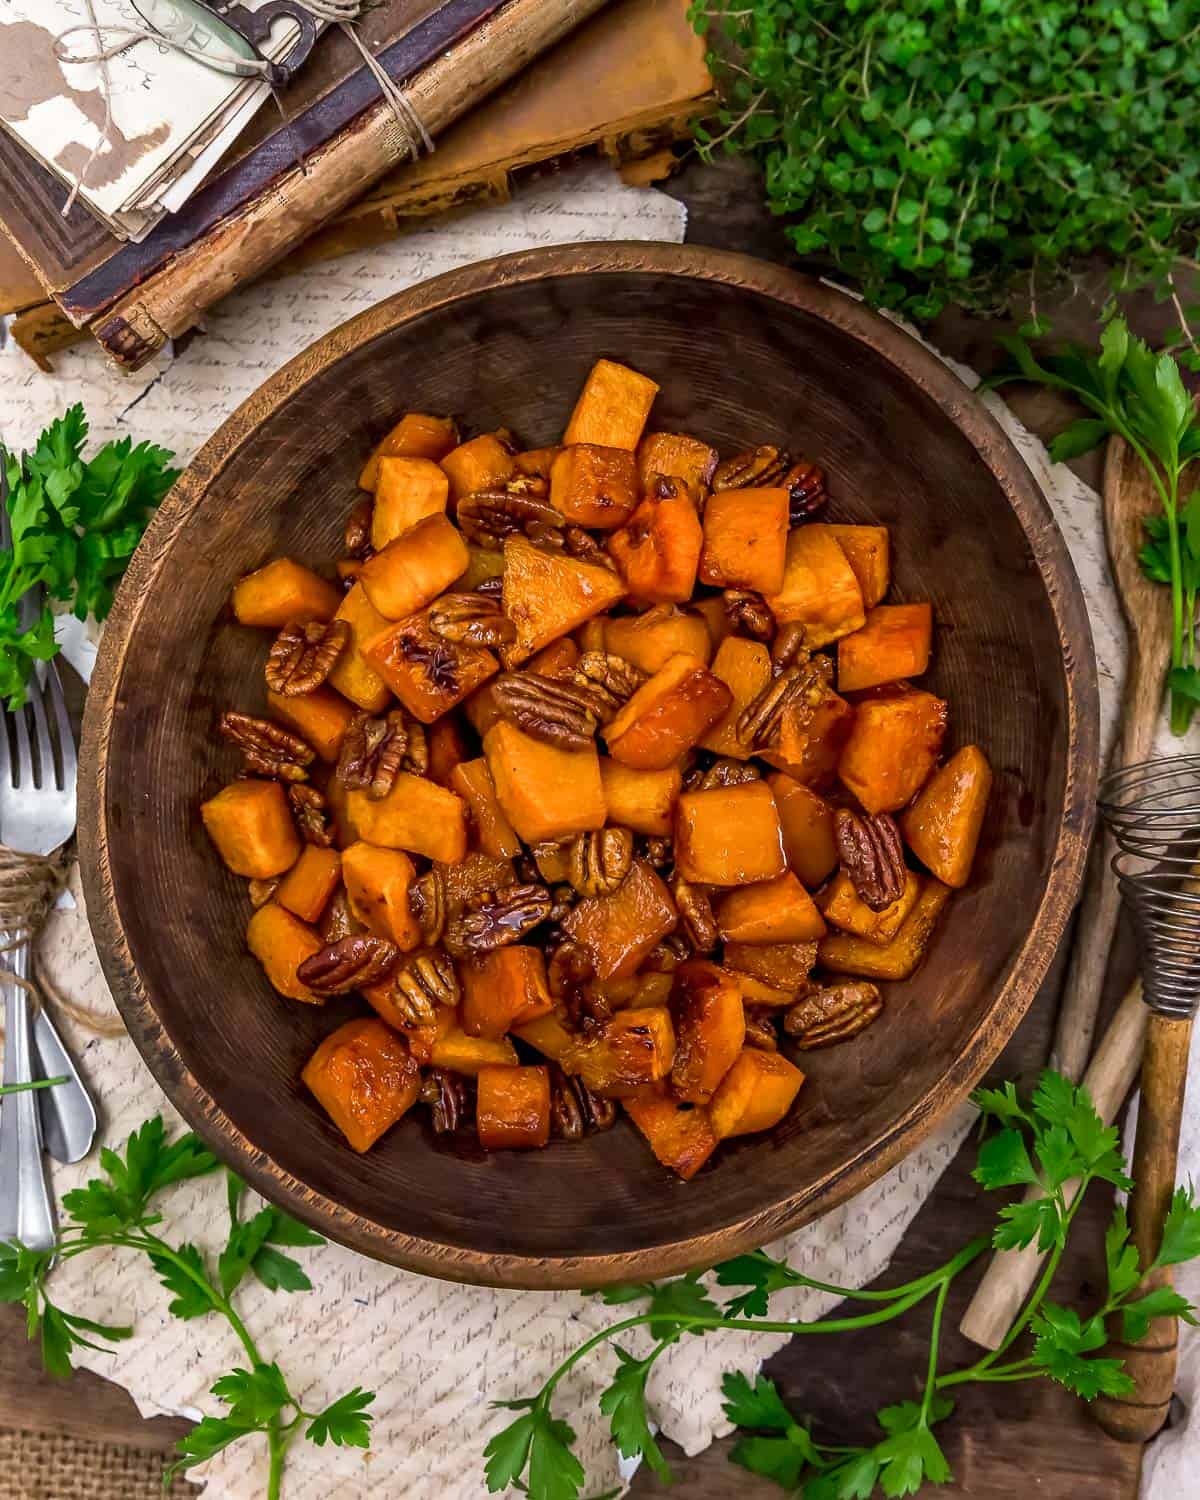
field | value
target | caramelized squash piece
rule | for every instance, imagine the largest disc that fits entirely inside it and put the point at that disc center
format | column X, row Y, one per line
column 866, row 549
column 782, row 966
column 482, row 564
column 491, row 832
column 943, row 824
column 658, row 551
column 844, row 953
column 415, row 568
column 352, row 675
column 306, row 888
column 545, row 792
column 745, row 540
column 409, row 489
column 282, row 592
column 461, row 1053
column 775, row 911
column 641, row 800
column 809, row 841
column 715, row 616
column 512, row 1107
column 503, row 989
column 755, row 1094
column 811, row 739
column 547, row 1035
column 594, row 486
column 415, row 435
column 537, row 462
column 745, row 669
column 893, row 746
column 417, row 815
column 666, row 716
column 632, row 1048
column 429, row 675
column 547, row 595
column 844, row 910
column 617, row 932
column 729, row 836
column 281, row 943
column 612, row 407
column 378, row 884
column 681, row 1136
column 251, row 824
column 321, row 718
column 893, row 644
column 364, row 1078
column 651, row 639
column 819, row 588
column 647, row 988
column 447, row 748
column 758, row 992
column 591, row 635
column 421, row 1039
column 556, row 660
column 674, row 455
column 478, row 464
column 710, row 1028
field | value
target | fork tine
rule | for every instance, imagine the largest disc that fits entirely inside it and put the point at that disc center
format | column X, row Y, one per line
column 47, row 771
column 24, row 763
column 66, row 740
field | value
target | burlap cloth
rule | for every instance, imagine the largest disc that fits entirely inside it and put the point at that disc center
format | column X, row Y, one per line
column 54, row 1466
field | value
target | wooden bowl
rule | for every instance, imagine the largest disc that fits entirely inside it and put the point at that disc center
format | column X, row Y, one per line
column 745, row 352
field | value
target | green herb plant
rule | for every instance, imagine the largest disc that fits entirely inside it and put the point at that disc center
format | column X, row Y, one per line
column 1140, row 397
column 937, row 152
column 74, row 527
column 1055, row 1137
column 115, row 1210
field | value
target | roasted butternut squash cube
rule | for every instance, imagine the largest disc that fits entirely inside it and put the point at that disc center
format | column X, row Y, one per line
column 811, row 739
column 422, row 1039
column 893, row 746
column 364, row 1078
column 281, row 943
column 715, row 616
column 593, row 486
column 337, row 797
column 641, row 800
column 417, row 815
column 710, row 1028
column 474, row 874
column 475, row 465
column 632, row 1048
column 503, row 989
column 820, row 590
column 617, row 932
column 447, row 748
column 415, row 435
column 809, row 841
column 845, row 953
column 284, row 592
column 658, row 550
column 651, row 639
column 745, row 540
column 378, row 884
column 729, row 836
column 409, row 489
column 843, row 909
column 415, row 568
column 321, row 718
column 612, row 407
column 547, row 1034
column 667, row 715
column 306, row 888
column 482, row 564
column 491, row 832
column 758, row 992
column 674, row 455
column 547, row 595
column 745, row 669
column 590, row 635
column 461, row 1053
column 559, row 659
column 775, row 911
column 783, row 966
column 680, row 1135
column 893, row 644
column 545, row 792
column 352, row 676
column 755, row 1094
column 943, row 824
column 866, row 549
column 251, row 824
column 429, row 675
column 537, row 462
column 646, row 988
column 512, row 1107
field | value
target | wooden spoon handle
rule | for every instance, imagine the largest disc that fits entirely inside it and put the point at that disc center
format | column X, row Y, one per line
column 1151, row 1361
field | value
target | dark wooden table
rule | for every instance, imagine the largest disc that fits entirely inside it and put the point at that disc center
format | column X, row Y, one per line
column 1034, row 1436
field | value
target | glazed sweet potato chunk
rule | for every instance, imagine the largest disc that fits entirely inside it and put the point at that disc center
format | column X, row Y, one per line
column 612, row 407
column 745, row 669
column 364, row 1078
column 352, row 674
column 774, row 911
column 306, row 888
column 715, row 616
column 559, row 659
column 415, row 435
column 320, row 717
column 547, row 595
column 866, row 549
column 844, row 910
column 547, row 1035
column 417, row 815
column 251, row 824
column 618, row 931
column 820, row 590
column 845, row 953
column 408, row 490
column 378, row 883
column 538, row 461
column 681, row 1136
column 503, row 989
column 641, row 800
column 594, row 486
column 475, row 465
column 282, row 593
column 461, row 1053
column 782, row 966
column 632, row 1048
column 281, row 943
column 811, row 739
column 943, row 824
column 893, row 644
column 674, row 455
column 710, row 1027
column 651, row 639
column 755, row 1094
column 482, row 564
column 491, row 832
column 745, row 540
column 545, row 792
column 447, row 748
column 893, row 746
column 809, row 841
column 429, row 675
column 658, row 551
column 667, row 715
column 729, row 836
column 415, row 568
column 512, row 1107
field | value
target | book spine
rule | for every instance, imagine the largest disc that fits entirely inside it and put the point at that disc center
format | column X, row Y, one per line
column 249, row 241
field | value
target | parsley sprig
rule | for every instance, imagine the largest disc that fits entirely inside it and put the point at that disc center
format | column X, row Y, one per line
column 1055, row 1142
column 75, row 525
column 117, row 1210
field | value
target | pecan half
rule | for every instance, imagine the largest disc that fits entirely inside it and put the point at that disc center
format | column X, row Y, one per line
column 357, row 539
column 303, row 656
column 807, row 493
column 808, row 682
column 723, row 772
column 832, row 1014
column 599, row 861
column 583, row 545
column 569, row 968
column 490, row 515
column 608, row 679
column 760, row 1029
column 658, row 853
column 449, row 1100
column 872, row 856
column 557, row 713
column 472, row 619
column 665, row 957
column 261, row 891
column 746, row 610
column 312, row 815
column 788, row 648
column 375, row 751
column 268, row 749
column 753, row 468
column 574, row 1110
column 421, row 982
column 496, row 919
column 349, row 964
column 564, row 898
column 696, row 911
column 491, row 588
column 428, row 902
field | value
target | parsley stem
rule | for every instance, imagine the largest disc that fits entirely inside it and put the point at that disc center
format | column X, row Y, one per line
column 34, row 1083
column 935, row 1331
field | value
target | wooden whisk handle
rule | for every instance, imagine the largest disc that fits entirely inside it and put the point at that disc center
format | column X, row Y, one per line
column 1151, row 1362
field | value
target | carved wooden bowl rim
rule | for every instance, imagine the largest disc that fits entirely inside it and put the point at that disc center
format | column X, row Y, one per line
column 786, row 1210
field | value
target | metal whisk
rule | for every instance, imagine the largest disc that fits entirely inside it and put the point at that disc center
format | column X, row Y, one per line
column 1153, row 810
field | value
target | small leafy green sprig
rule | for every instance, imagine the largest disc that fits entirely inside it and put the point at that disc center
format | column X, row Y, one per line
column 115, row 1210
column 1055, row 1142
